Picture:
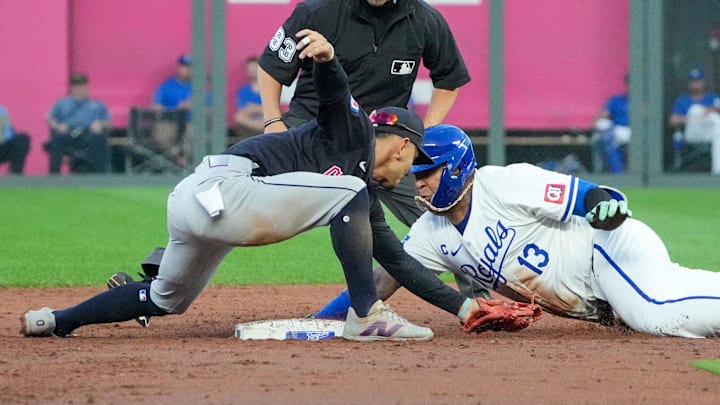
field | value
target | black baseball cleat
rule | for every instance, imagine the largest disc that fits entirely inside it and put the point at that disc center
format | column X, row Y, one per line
column 119, row 279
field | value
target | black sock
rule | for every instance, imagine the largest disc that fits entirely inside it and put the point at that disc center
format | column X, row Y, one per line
column 352, row 240
column 119, row 304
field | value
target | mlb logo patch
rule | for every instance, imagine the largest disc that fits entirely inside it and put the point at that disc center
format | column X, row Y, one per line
column 354, row 106
column 555, row 193
column 142, row 295
column 402, row 67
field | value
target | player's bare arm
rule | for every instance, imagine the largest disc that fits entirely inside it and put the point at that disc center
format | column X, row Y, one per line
column 270, row 90
column 441, row 102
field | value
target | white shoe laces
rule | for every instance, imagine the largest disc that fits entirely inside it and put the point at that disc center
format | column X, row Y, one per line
column 389, row 313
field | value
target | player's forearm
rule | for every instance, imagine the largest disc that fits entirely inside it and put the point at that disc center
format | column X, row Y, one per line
column 331, row 81
column 270, row 90
column 440, row 104
column 410, row 273
column 424, row 283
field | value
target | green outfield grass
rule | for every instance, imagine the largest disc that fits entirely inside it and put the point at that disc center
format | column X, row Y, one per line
column 79, row 236
column 711, row 365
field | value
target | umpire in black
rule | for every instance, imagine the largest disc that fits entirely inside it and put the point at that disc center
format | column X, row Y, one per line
column 380, row 44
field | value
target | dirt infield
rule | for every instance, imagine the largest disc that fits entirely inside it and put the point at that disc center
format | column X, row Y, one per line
column 193, row 359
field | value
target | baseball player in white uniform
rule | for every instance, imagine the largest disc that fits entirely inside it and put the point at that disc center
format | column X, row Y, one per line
column 567, row 243
column 528, row 232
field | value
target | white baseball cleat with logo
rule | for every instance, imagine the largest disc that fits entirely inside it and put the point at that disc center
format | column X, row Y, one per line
column 38, row 323
column 382, row 323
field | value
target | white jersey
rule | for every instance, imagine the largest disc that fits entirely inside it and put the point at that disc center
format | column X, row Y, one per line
column 520, row 235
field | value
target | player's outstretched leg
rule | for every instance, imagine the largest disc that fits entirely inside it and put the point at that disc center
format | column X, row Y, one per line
column 122, row 278
column 368, row 318
column 119, row 304
column 337, row 308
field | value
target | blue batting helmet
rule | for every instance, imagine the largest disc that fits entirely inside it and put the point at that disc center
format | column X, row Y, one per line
column 450, row 146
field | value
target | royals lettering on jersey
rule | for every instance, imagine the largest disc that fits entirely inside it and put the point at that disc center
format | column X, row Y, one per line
column 488, row 264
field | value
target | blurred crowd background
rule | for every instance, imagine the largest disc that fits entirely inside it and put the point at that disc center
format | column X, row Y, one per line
column 104, row 86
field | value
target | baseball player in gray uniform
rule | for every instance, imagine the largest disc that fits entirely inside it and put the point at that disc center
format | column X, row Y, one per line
column 268, row 189
column 566, row 243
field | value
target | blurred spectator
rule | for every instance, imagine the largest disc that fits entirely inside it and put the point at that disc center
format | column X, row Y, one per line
column 78, row 129
column 248, row 113
column 697, row 112
column 175, row 92
column 612, row 132
column 171, row 133
column 14, row 147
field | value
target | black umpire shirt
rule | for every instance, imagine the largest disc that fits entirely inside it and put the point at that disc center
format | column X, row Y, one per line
column 342, row 141
column 379, row 48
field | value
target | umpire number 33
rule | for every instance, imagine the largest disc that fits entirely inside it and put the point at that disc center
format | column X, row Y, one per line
column 534, row 258
column 285, row 47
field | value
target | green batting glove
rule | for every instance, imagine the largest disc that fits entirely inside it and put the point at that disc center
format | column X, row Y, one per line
column 608, row 215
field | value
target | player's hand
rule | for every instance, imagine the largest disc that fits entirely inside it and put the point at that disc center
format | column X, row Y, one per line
column 313, row 44
column 608, row 215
